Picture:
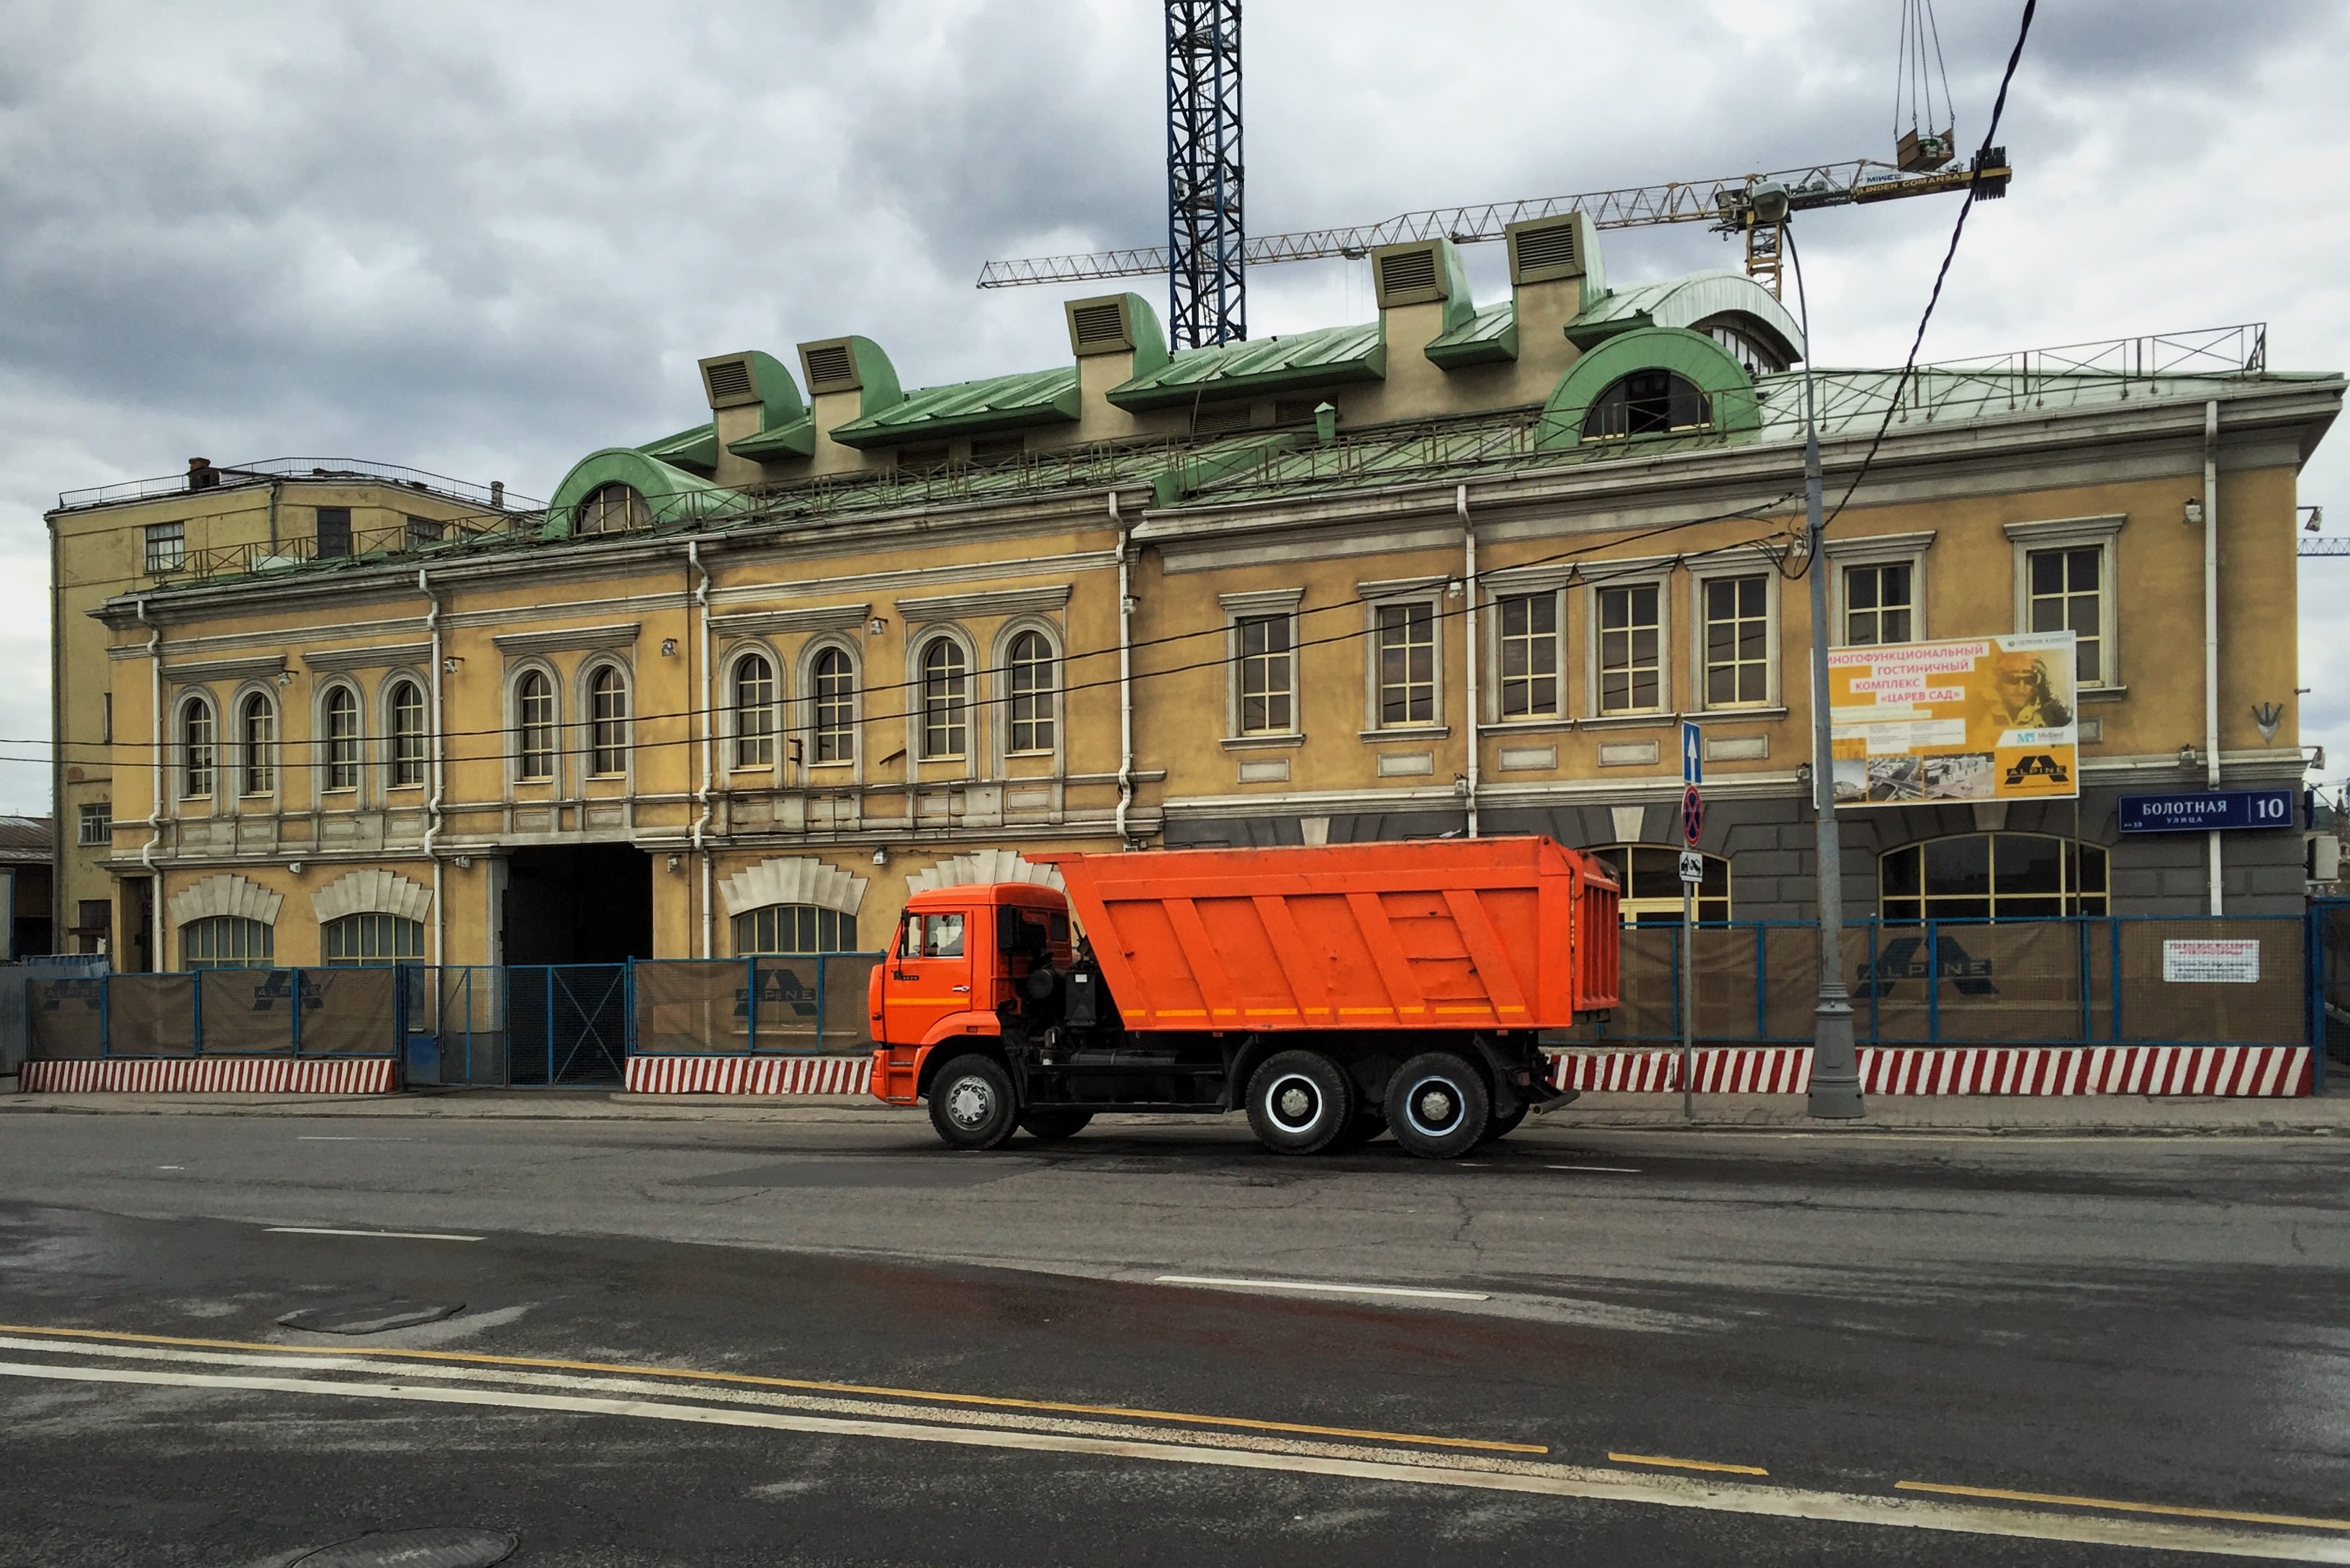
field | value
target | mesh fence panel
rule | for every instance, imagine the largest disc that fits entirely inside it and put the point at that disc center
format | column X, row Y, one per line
column 1643, row 1006
column 847, row 1025
column 247, row 1012
column 347, row 1012
column 2008, row 985
column 465, row 1010
column 68, row 1019
column 692, row 1007
column 152, row 1014
column 2271, row 1010
column 587, row 1010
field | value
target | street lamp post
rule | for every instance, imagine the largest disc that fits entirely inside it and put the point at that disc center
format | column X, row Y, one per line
column 1835, row 1067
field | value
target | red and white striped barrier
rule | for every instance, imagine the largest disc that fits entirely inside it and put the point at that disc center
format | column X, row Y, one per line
column 213, row 1076
column 748, row 1075
column 2236, row 1071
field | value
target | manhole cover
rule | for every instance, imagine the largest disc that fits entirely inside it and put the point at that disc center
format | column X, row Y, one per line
column 444, row 1546
column 374, row 1317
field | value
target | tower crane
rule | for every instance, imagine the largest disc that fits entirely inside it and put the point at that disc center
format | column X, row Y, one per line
column 1208, row 251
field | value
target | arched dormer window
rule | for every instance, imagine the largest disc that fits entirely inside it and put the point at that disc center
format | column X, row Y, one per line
column 534, row 726
column 1029, row 674
column 1647, row 402
column 608, row 721
column 832, row 716
column 613, row 508
column 946, row 690
column 199, row 749
column 754, row 711
column 341, row 713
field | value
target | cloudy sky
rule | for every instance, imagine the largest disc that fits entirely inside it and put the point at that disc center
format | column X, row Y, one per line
column 483, row 240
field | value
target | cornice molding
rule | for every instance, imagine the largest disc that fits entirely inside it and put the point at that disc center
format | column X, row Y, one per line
column 569, row 638
column 769, row 623
column 382, row 657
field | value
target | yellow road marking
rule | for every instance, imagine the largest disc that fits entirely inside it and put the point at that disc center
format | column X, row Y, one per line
column 1687, row 1464
column 2238, row 1516
column 808, row 1385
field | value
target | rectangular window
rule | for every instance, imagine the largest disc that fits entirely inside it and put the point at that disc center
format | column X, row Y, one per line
column 1406, row 670
column 423, row 531
column 97, row 824
column 1267, row 676
column 333, row 531
column 1631, row 649
column 1529, row 636
column 167, row 547
column 536, row 701
column 1737, row 641
column 2065, row 591
column 1878, row 604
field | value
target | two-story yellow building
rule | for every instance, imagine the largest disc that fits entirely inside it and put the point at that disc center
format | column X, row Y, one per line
column 1465, row 568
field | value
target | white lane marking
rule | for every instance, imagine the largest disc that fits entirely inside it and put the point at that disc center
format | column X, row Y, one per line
column 171, row 1167
column 1496, row 1475
column 381, row 1235
column 1614, row 1169
column 1320, row 1287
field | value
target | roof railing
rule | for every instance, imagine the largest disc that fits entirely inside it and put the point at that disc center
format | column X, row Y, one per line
column 281, row 470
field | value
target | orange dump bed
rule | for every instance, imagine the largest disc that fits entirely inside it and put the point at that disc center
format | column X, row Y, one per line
column 1479, row 933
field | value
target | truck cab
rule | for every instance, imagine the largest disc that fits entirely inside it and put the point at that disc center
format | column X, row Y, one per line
column 958, row 954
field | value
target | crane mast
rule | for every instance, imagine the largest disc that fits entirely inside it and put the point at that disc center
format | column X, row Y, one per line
column 1206, row 247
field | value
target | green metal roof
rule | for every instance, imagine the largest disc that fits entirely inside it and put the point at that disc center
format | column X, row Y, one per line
column 968, row 408
column 1295, row 363
column 1486, row 338
column 696, row 449
column 797, row 439
column 1684, row 302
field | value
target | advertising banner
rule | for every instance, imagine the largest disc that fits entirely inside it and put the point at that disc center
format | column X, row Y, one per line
column 1992, row 718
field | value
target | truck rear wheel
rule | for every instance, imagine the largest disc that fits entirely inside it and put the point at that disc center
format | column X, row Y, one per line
column 1299, row 1101
column 1438, row 1105
column 972, row 1102
column 1053, row 1126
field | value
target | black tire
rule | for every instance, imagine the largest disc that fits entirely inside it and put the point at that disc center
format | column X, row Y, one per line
column 972, row 1102
column 1053, row 1126
column 1299, row 1101
column 1438, row 1105
column 1367, row 1125
column 1503, row 1126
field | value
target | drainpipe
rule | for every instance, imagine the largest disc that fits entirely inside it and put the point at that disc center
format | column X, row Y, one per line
column 1125, row 676
column 709, row 764
column 433, row 806
column 2211, row 630
column 1476, row 708
column 154, row 800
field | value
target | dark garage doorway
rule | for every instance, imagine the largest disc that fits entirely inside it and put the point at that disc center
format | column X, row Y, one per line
column 579, row 903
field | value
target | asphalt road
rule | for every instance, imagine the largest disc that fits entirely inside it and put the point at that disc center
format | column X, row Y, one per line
column 833, row 1341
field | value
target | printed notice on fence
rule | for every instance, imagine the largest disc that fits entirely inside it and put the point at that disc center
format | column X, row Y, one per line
column 1916, row 723
column 2210, row 963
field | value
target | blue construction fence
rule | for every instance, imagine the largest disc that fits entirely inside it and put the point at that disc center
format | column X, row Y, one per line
column 304, row 1012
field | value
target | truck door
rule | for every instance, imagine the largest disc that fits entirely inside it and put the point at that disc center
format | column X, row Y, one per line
column 929, row 976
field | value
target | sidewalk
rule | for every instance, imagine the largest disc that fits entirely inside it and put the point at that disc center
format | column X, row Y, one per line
column 2117, row 1116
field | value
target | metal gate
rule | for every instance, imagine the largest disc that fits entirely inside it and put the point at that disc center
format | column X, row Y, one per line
column 2329, row 977
column 567, row 1024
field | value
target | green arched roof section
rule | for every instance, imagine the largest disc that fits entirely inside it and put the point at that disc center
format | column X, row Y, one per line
column 1724, row 381
column 1685, row 301
column 672, row 494
column 779, row 391
column 1142, row 325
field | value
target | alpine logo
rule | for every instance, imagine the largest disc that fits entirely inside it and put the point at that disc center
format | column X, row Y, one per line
column 2043, row 766
column 1905, row 957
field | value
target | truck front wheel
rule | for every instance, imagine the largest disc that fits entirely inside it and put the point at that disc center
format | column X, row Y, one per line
column 1438, row 1105
column 971, row 1103
column 1299, row 1101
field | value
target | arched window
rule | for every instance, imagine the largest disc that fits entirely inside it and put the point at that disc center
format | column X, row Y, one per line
column 225, row 942
column 1992, row 877
column 1649, row 875
column 342, row 725
column 256, row 731
column 794, row 928
column 613, row 509
column 1647, row 402
column 946, row 683
column 608, row 721
column 198, row 749
column 833, row 680
column 754, row 711
column 408, row 737
column 534, row 726
column 371, row 938
column 1031, row 672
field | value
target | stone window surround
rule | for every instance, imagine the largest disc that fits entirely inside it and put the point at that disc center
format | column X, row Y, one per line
column 2075, row 533
column 1258, row 604
column 1880, row 550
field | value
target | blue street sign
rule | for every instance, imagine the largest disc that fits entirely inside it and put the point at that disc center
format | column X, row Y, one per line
column 2197, row 810
column 1692, row 754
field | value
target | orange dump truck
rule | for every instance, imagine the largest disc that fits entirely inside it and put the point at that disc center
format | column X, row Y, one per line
column 1332, row 992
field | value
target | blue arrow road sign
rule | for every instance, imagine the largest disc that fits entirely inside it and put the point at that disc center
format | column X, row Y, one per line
column 1692, row 756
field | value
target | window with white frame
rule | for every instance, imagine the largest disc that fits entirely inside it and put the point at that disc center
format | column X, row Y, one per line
column 1266, row 675
column 226, row 942
column 1029, row 676
column 408, row 734
column 946, row 694
column 2065, row 581
column 1527, row 632
column 754, row 711
column 341, row 713
column 1404, row 646
column 1736, row 628
column 608, row 721
column 370, row 939
column 533, row 727
column 167, row 547
column 1880, row 603
column 257, row 744
column 199, row 749
column 1630, row 647
column 97, row 824
column 832, row 702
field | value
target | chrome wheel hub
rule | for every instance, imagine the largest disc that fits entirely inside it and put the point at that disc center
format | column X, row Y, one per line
column 1295, row 1103
column 1435, row 1107
column 971, row 1103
